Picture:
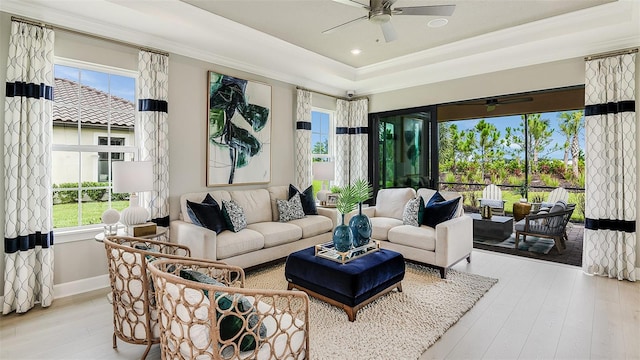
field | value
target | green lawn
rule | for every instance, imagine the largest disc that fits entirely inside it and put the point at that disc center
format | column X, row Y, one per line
column 66, row 215
column 512, row 198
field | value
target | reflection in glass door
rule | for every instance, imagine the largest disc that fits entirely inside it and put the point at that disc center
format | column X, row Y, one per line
column 404, row 147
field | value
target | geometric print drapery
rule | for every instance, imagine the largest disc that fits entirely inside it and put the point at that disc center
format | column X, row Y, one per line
column 153, row 91
column 28, row 231
column 352, row 149
column 610, row 163
column 303, row 159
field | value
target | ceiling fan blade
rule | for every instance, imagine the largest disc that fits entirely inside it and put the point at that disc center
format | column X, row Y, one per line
column 345, row 24
column 353, row 3
column 388, row 3
column 388, row 31
column 435, row 10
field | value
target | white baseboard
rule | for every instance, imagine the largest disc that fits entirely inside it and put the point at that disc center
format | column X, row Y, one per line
column 77, row 287
column 80, row 286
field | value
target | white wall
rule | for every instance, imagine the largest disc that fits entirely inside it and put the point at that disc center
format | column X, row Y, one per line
column 67, row 165
column 187, row 128
column 187, row 120
column 531, row 78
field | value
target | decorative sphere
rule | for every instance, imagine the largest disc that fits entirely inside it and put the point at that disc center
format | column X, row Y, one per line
column 110, row 216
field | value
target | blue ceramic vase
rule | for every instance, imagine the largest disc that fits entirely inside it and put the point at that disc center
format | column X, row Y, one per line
column 342, row 237
column 361, row 228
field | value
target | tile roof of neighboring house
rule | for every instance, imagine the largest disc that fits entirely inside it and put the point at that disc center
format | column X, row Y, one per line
column 96, row 104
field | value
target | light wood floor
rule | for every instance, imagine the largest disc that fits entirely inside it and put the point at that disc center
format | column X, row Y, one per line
column 537, row 310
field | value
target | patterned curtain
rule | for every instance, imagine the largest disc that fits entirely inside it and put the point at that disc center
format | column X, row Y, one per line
column 358, row 135
column 343, row 147
column 28, row 238
column 610, row 188
column 351, row 141
column 153, row 91
column 303, row 140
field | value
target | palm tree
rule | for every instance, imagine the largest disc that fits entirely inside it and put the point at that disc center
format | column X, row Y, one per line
column 573, row 123
column 564, row 128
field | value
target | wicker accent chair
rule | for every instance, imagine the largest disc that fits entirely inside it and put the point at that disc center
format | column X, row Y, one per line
column 544, row 224
column 225, row 320
column 135, row 319
column 492, row 196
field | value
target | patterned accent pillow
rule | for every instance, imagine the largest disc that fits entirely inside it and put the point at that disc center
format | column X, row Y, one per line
column 234, row 215
column 290, row 209
column 410, row 213
column 306, row 198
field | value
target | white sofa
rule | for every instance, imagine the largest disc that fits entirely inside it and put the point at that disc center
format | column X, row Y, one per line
column 442, row 247
column 265, row 238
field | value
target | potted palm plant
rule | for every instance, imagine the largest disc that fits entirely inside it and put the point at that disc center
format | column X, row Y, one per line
column 360, row 224
column 342, row 235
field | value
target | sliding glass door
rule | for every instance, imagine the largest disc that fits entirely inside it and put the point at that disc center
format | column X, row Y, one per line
column 403, row 148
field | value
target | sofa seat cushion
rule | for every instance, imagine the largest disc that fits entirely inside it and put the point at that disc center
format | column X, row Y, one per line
column 313, row 225
column 231, row 244
column 422, row 237
column 380, row 227
column 276, row 233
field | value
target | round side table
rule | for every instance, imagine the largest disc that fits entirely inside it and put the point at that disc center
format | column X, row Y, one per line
column 160, row 230
column 520, row 210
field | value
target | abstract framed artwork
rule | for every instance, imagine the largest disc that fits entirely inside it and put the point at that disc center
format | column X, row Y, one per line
column 238, row 131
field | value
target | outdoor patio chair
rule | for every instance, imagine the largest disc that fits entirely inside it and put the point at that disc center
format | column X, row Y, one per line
column 551, row 225
column 492, row 197
column 558, row 194
column 135, row 318
column 205, row 311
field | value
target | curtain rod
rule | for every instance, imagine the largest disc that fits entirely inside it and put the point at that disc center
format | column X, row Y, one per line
column 333, row 96
column 31, row 22
column 611, row 53
column 119, row 42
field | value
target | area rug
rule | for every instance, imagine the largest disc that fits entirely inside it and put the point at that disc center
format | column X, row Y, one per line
column 395, row 326
column 533, row 244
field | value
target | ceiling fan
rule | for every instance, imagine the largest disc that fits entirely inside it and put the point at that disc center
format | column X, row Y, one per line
column 380, row 12
column 491, row 104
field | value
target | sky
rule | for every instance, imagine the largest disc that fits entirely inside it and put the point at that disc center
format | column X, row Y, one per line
column 120, row 86
column 503, row 122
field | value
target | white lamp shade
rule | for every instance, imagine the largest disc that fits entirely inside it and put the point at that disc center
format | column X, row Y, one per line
column 132, row 176
column 324, row 170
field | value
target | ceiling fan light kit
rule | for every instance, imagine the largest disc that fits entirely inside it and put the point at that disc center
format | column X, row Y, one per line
column 380, row 13
column 380, row 16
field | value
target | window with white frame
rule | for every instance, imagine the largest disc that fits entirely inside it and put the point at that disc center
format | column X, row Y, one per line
column 321, row 134
column 94, row 121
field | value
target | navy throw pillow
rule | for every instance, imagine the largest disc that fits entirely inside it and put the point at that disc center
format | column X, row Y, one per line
column 439, row 210
column 207, row 214
column 306, row 198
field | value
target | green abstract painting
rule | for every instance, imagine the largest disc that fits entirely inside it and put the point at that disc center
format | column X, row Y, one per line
column 238, row 131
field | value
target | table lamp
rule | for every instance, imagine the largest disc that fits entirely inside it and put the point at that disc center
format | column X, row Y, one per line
column 133, row 177
column 324, row 171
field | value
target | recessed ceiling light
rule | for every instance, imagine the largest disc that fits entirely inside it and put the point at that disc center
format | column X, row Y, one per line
column 436, row 23
column 356, row 51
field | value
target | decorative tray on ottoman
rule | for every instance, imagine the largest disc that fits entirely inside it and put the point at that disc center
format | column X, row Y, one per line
column 328, row 251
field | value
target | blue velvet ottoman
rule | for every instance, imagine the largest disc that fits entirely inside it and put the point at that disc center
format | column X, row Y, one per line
column 349, row 286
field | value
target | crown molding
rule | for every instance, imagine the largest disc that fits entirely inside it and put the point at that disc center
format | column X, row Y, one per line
column 182, row 29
